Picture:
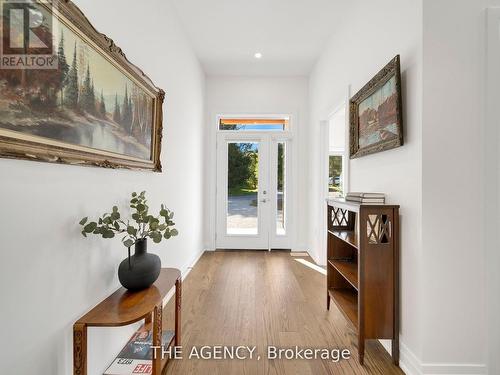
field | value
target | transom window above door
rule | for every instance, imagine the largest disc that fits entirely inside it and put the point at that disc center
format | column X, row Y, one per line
column 253, row 124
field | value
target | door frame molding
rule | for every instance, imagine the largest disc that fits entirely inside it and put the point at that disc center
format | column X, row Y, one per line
column 324, row 151
column 211, row 171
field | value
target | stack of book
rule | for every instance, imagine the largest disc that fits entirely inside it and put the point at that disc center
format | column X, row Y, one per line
column 135, row 357
column 367, row 198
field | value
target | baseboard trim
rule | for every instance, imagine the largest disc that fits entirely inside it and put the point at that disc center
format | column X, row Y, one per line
column 184, row 272
column 453, row 369
column 408, row 361
column 411, row 365
column 316, row 259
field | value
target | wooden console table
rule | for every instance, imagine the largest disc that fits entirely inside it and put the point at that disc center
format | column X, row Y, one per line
column 124, row 307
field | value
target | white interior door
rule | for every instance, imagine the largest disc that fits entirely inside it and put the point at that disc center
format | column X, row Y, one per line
column 252, row 208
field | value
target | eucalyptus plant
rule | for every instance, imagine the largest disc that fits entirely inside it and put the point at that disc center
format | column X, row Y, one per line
column 140, row 226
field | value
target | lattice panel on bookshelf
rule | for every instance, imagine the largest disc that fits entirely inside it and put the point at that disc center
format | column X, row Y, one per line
column 339, row 217
column 379, row 229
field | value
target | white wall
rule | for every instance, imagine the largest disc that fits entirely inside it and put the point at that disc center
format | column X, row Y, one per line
column 371, row 34
column 254, row 95
column 491, row 187
column 458, row 176
column 49, row 274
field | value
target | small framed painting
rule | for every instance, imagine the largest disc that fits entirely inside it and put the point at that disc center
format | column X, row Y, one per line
column 376, row 121
column 69, row 95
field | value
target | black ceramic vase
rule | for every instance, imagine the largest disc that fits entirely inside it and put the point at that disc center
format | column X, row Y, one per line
column 141, row 269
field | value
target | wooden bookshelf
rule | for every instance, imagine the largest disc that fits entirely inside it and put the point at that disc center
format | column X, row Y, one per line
column 363, row 269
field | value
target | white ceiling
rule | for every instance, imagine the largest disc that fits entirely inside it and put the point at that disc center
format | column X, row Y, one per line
column 290, row 34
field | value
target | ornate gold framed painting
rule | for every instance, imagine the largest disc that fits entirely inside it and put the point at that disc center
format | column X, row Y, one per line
column 376, row 121
column 69, row 95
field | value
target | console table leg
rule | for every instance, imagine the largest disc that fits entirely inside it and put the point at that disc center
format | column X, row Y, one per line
column 157, row 333
column 79, row 349
column 148, row 319
column 395, row 352
column 178, row 298
column 361, row 350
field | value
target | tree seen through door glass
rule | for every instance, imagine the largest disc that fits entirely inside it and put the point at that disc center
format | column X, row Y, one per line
column 280, row 188
column 335, row 176
column 242, row 188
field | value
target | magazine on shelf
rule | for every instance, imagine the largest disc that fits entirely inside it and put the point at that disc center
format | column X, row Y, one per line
column 135, row 357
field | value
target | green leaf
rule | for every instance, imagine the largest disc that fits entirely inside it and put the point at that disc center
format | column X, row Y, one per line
column 171, row 216
column 131, row 230
column 157, row 238
column 163, row 213
column 84, row 234
column 133, row 201
column 115, row 216
column 153, row 225
column 100, row 221
column 135, row 216
column 115, row 209
column 108, row 234
column 174, row 232
column 128, row 243
column 116, row 225
column 83, row 221
column 134, row 194
column 141, row 207
column 90, row 227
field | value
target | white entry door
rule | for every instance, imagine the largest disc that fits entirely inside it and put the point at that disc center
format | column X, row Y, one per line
column 252, row 200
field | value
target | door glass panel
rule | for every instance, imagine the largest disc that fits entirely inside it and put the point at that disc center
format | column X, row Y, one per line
column 335, row 176
column 242, row 188
column 280, row 189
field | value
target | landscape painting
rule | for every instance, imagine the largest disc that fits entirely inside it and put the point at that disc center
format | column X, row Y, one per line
column 376, row 121
column 88, row 104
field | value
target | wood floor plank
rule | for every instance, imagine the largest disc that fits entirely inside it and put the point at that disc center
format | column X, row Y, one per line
column 260, row 298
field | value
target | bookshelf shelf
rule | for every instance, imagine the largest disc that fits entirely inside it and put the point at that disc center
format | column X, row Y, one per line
column 363, row 269
column 348, row 270
column 348, row 236
column 347, row 301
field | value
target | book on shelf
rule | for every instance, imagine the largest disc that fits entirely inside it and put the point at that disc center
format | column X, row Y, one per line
column 365, row 200
column 136, row 356
column 365, row 195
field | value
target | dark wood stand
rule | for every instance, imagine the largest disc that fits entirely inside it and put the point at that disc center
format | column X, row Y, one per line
column 363, row 269
column 124, row 307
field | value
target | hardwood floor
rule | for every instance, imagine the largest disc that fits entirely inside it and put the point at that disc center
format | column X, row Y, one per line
column 260, row 298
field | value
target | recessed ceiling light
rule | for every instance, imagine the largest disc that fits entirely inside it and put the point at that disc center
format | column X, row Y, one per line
column 258, row 55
